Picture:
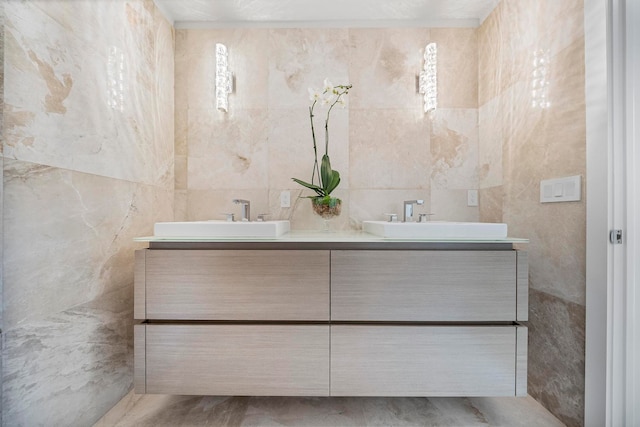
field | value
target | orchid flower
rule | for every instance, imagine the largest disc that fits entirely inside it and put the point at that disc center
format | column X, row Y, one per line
column 314, row 95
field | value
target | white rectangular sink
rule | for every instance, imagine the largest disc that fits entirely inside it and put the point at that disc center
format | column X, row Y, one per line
column 436, row 230
column 221, row 229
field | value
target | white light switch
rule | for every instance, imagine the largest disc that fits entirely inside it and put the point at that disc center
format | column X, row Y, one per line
column 567, row 189
column 472, row 197
column 285, row 199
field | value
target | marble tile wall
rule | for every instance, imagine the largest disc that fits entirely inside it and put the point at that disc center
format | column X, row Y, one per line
column 521, row 145
column 386, row 149
column 88, row 165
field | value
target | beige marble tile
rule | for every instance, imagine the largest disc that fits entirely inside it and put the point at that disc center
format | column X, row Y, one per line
column 491, row 201
column 181, row 130
column 454, row 149
column 81, row 357
column 489, row 46
column 389, row 149
column 490, row 141
column 228, row 151
column 383, row 65
column 58, row 105
column 69, row 236
column 451, row 205
column 181, row 173
column 457, row 67
column 180, row 205
column 556, row 355
column 302, row 58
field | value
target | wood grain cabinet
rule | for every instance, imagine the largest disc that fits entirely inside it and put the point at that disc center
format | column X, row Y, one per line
column 340, row 322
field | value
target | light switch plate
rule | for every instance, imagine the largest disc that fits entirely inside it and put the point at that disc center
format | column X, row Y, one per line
column 472, row 197
column 285, row 199
column 567, row 189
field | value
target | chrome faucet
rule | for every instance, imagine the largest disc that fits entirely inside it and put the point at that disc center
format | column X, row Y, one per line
column 245, row 214
column 408, row 209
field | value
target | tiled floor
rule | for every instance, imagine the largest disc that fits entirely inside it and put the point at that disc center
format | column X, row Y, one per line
column 174, row 411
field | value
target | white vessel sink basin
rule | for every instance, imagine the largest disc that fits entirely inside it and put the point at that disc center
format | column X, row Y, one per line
column 436, row 230
column 221, row 229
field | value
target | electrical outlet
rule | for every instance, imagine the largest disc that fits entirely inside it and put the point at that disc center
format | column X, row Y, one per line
column 285, row 199
column 472, row 197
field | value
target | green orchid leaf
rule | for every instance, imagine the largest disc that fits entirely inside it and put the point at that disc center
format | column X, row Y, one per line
column 335, row 180
column 313, row 187
column 326, row 174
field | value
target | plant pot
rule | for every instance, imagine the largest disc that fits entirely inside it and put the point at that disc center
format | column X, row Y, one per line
column 326, row 207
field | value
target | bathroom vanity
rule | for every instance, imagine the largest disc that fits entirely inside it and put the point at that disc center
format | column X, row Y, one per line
column 331, row 315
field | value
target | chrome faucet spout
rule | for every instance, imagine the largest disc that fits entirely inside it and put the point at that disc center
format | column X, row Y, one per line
column 408, row 209
column 245, row 214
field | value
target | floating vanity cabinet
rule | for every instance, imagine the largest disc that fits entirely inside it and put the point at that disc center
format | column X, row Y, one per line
column 331, row 318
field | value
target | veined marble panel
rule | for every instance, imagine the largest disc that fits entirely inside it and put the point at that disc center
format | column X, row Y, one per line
column 454, row 149
column 302, row 58
column 451, row 205
column 90, row 88
column 383, row 65
column 491, row 204
column 71, row 367
column 68, row 236
column 389, row 149
column 228, row 151
column 457, row 67
column 490, row 140
column 556, row 355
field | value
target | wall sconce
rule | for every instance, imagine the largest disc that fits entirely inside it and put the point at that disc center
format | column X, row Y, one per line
column 539, row 80
column 428, row 79
column 224, row 78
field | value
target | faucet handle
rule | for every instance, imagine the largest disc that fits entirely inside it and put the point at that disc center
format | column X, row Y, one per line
column 392, row 217
column 230, row 216
column 261, row 217
column 424, row 217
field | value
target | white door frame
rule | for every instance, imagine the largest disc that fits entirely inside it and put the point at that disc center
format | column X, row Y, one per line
column 612, row 53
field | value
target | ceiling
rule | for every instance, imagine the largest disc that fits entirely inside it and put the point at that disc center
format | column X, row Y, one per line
column 305, row 13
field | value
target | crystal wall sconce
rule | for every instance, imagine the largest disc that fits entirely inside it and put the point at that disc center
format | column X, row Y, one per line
column 540, row 80
column 428, row 79
column 224, row 78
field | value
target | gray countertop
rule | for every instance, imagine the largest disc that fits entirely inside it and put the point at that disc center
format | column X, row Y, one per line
column 326, row 240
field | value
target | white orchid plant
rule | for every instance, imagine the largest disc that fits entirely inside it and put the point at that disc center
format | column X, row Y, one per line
column 328, row 178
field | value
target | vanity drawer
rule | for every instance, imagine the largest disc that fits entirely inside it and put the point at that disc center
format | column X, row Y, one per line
column 385, row 360
column 232, row 285
column 241, row 360
column 429, row 286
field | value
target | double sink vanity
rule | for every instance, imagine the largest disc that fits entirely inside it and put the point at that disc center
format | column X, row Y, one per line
column 400, row 309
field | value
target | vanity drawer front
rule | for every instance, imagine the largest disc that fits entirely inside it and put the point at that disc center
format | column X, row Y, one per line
column 368, row 360
column 434, row 286
column 237, row 285
column 258, row 360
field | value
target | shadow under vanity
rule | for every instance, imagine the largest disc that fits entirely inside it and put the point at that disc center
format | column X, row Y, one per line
column 331, row 315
